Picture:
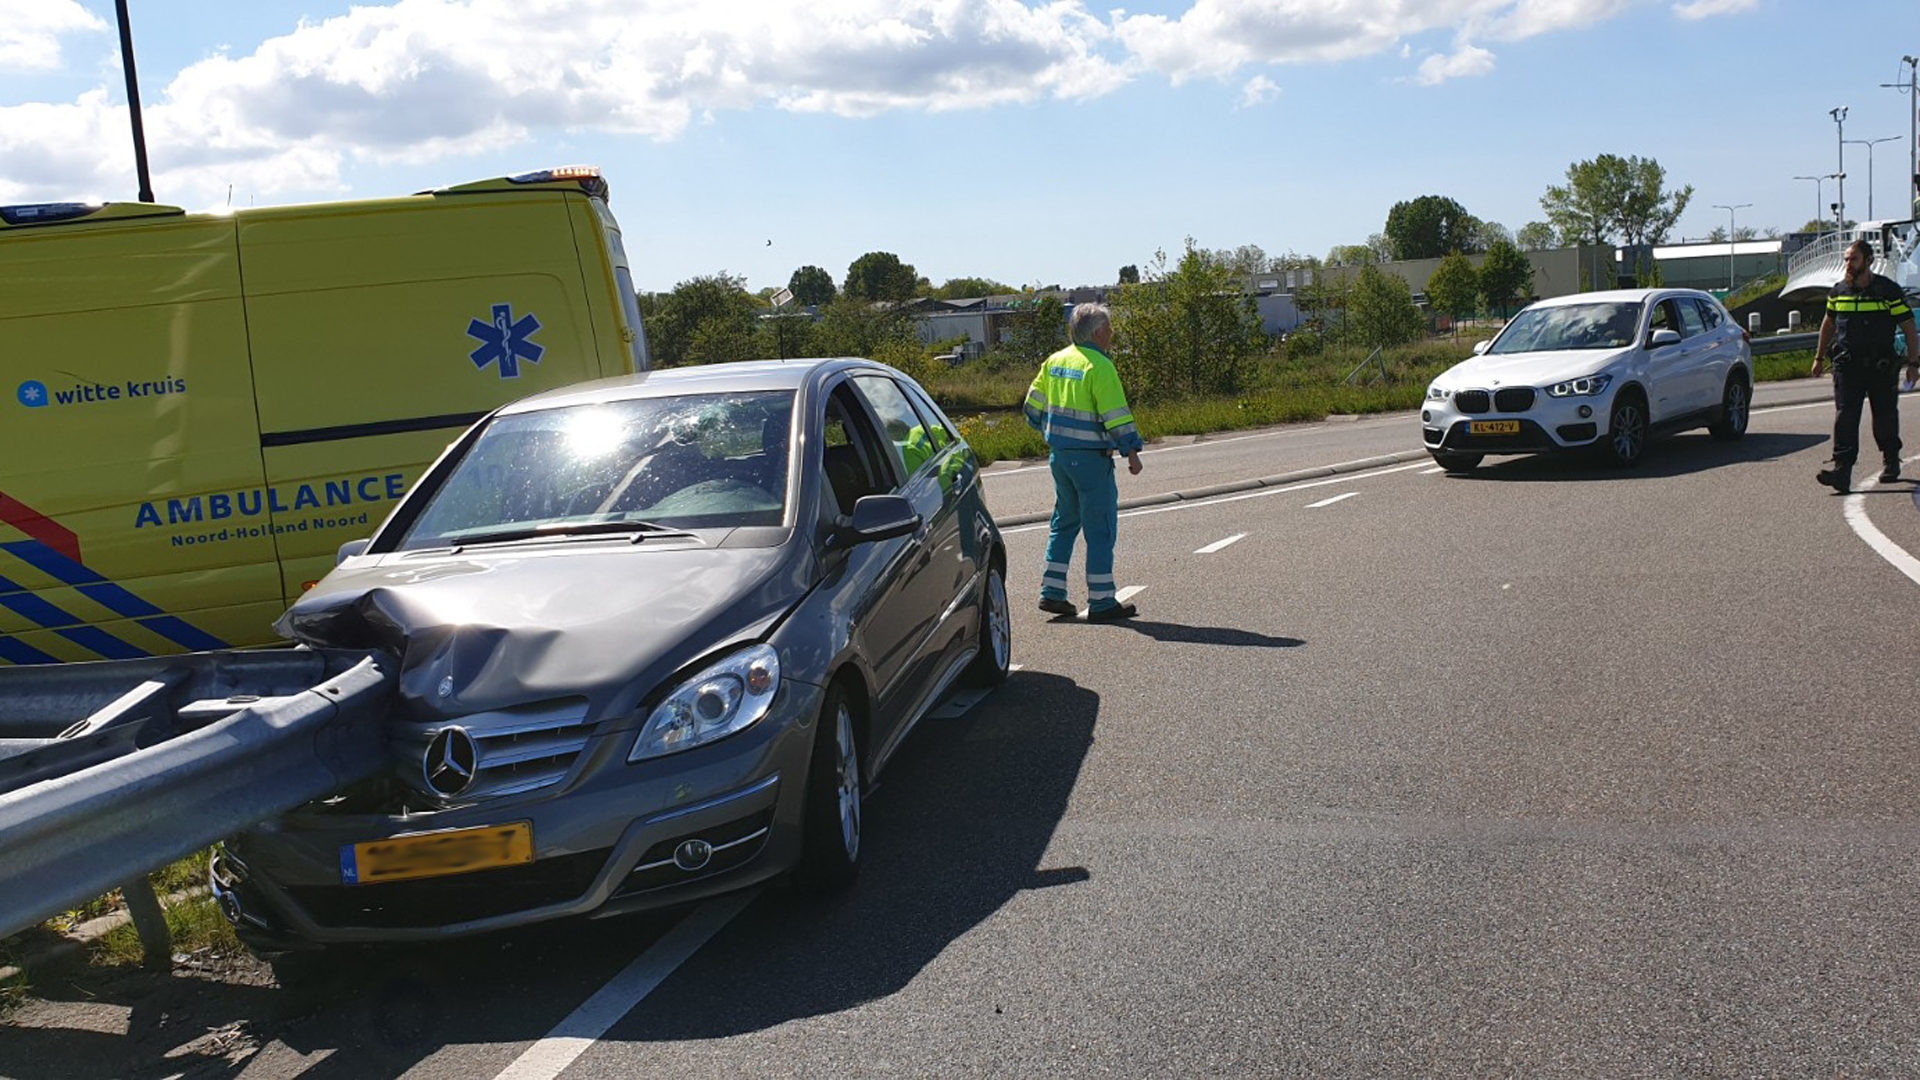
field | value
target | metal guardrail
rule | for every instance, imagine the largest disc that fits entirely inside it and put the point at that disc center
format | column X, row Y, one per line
column 1779, row 343
column 112, row 769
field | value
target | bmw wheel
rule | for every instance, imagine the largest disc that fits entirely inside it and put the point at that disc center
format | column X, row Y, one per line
column 1735, row 405
column 989, row 667
column 1626, row 437
column 830, row 841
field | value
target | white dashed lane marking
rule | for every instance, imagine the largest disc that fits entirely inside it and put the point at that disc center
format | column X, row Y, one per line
column 1219, row 544
column 1330, row 502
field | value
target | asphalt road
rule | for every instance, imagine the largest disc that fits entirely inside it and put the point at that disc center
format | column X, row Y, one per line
column 1542, row 770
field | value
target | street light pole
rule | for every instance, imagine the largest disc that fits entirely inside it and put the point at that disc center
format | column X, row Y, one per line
column 1868, row 143
column 1840, row 207
column 1911, row 88
column 1819, row 202
column 1730, row 240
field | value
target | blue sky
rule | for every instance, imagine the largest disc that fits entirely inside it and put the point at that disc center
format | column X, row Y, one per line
column 1035, row 143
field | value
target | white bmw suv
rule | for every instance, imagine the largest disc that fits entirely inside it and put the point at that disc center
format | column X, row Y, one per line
column 1597, row 370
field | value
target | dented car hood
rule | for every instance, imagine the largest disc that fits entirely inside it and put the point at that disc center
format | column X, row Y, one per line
column 487, row 629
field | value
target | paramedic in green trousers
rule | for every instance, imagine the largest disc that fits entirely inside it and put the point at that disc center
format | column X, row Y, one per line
column 1077, row 405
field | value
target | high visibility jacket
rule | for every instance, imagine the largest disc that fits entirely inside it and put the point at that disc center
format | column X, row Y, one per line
column 1864, row 318
column 1076, row 403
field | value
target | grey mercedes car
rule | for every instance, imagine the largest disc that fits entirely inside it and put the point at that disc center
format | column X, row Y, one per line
column 655, row 636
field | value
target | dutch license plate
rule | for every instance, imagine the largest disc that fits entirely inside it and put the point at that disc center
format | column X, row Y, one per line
column 436, row 854
column 1493, row 427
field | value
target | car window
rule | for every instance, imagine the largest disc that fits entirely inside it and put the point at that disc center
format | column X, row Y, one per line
column 1691, row 323
column 937, row 424
column 1709, row 312
column 1569, row 326
column 851, row 457
column 687, row 461
column 1664, row 318
column 907, row 437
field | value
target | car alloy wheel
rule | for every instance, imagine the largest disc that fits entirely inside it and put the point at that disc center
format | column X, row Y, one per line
column 1626, row 431
column 833, row 812
column 989, row 667
column 1736, row 405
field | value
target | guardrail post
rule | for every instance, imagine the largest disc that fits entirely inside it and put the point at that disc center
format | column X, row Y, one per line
column 156, row 941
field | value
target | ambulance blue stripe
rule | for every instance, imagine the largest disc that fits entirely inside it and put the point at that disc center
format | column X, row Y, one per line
column 111, row 596
column 92, row 637
column 15, row 651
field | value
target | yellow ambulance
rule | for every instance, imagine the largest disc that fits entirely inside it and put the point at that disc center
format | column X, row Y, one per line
column 205, row 406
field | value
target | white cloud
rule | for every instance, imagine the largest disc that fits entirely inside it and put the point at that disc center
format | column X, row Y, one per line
column 1703, row 9
column 422, row 79
column 1466, row 61
column 30, row 31
column 1258, row 91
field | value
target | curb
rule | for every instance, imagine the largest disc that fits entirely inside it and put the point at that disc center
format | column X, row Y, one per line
column 1212, row 491
column 73, row 943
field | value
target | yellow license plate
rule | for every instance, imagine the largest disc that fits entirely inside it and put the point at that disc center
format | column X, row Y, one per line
column 1493, row 427
column 436, row 854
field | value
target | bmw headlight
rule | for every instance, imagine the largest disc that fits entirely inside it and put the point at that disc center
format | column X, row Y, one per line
column 1434, row 393
column 1586, row 386
column 724, row 698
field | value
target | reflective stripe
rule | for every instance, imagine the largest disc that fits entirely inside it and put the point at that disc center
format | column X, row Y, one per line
column 1852, row 305
column 1075, row 422
column 1111, row 415
column 1057, row 435
column 1099, row 592
column 1099, row 579
column 1120, row 433
column 1077, row 414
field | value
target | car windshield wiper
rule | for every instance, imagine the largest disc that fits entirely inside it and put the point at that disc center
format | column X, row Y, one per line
column 563, row 528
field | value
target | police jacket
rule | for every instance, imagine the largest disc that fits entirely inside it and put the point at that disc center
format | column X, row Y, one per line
column 1076, row 403
column 1864, row 317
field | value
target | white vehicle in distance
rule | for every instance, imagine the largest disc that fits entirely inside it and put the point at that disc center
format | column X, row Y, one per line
column 1599, row 371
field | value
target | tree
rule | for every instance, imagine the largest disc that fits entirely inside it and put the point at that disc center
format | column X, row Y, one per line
column 1430, row 227
column 703, row 319
column 880, row 275
column 1352, row 255
column 1129, row 275
column 1454, row 286
column 1245, row 259
column 967, row 288
column 1491, row 232
column 1741, row 234
column 811, row 286
column 1186, row 330
column 1380, row 309
column 854, row 327
column 1037, row 329
column 1506, row 274
column 1535, row 236
column 1616, row 200
column 1820, row 225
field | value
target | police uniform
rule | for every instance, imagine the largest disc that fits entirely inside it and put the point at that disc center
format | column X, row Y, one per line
column 1865, row 368
column 1078, row 406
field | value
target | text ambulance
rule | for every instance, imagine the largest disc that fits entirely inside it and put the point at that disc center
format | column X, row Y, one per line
column 205, row 406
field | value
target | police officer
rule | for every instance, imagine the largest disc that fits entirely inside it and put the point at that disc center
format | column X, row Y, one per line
column 1077, row 404
column 1857, row 333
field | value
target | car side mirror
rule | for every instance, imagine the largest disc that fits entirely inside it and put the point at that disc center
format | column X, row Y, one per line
column 1481, row 347
column 351, row 548
column 1662, row 338
column 881, row 517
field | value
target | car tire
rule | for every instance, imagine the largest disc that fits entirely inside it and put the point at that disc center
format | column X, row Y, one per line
column 1626, row 437
column 1736, row 405
column 989, row 667
column 834, row 814
column 1458, row 462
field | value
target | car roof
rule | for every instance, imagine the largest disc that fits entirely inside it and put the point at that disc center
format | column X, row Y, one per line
column 1615, row 296
column 734, row 377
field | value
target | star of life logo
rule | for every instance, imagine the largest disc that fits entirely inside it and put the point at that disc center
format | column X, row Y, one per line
column 505, row 341
column 33, row 394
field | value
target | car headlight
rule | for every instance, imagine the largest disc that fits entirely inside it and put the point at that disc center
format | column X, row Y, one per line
column 724, row 698
column 1434, row 393
column 1586, row 386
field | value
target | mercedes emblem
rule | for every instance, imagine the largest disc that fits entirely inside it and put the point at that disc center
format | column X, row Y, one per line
column 450, row 762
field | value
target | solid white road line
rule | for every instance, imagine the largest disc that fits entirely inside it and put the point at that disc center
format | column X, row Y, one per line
column 1261, row 494
column 1330, row 502
column 1218, row 544
column 549, row 1057
column 1128, row 593
column 1856, row 514
column 1435, row 469
column 991, row 474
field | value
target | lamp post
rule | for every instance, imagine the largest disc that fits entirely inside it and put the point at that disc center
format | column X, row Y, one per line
column 1730, row 240
column 1911, row 88
column 1868, row 143
column 1840, row 206
column 1819, row 198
